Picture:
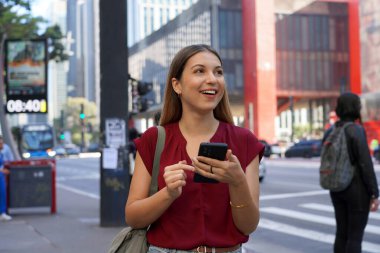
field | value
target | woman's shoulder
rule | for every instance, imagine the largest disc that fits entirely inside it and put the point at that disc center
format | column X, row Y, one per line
column 150, row 132
column 355, row 130
column 239, row 133
column 237, row 129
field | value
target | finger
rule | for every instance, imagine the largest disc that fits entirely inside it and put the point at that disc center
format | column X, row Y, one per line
column 201, row 165
column 184, row 166
column 179, row 166
column 207, row 173
column 175, row 177
column 228, row 154
column 231, row 157
column 205, row 162
column 177, row 184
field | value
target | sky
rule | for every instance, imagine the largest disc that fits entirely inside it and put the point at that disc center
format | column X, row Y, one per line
column 40, row 7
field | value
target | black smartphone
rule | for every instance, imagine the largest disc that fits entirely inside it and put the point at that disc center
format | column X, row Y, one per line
column 215, row 150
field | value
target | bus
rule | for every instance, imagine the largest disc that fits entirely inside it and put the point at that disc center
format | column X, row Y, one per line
column 37, row 141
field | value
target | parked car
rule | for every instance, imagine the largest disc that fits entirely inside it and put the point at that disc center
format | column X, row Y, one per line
column 267, row 150
column 262, row 170
column 72, row 149
column 305, row 148
column 59, row 151
column 275, row 149
column 93, row 147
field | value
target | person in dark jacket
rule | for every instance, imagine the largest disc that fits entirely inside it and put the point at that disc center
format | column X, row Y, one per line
column 352, row 205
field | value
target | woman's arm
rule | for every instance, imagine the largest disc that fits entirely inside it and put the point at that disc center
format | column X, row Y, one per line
column 141, row 210
column 245, row 199
column 360, row 151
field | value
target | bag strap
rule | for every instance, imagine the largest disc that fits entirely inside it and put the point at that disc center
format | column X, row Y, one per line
column 157, row 156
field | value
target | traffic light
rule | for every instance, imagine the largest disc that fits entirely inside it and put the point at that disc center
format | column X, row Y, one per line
column 143, row 88
column 62, row 136
column 82, row 115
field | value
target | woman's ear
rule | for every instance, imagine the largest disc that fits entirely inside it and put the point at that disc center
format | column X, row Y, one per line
column 176, row 86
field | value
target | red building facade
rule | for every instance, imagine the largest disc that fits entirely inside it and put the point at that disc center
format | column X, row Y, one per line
column 295, row 57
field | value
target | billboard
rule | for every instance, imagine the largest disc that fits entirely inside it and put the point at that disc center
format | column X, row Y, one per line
column 26, row 76
column 370, row 45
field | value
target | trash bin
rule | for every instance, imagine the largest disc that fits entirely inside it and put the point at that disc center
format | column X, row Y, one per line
column 31, row 183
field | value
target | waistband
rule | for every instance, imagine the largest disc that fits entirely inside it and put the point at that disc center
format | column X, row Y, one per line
column 205, row 249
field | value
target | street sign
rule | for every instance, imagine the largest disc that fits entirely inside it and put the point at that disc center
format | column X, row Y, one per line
column 115, row 132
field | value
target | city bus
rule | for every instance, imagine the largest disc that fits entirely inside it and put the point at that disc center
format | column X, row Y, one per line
column 37, row 141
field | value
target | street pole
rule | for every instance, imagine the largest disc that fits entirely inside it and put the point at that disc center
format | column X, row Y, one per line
column 5, row 129
column 291, row 108
column 82, row 125
column 114, row 169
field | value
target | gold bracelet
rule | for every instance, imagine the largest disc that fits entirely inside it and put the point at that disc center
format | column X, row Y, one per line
column 238, row 206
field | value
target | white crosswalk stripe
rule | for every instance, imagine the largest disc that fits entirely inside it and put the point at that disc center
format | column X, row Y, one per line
column 306, row 215
column 310, row 234
column 312, row 218
column 330, row 209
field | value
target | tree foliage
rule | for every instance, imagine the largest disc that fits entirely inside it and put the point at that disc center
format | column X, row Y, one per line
column 73, row 122
column 17, row 22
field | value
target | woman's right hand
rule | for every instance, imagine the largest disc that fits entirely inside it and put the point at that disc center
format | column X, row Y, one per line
column 175, row 178
column 374, row 205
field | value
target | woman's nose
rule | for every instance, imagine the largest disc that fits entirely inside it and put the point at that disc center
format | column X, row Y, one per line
column 211, row 78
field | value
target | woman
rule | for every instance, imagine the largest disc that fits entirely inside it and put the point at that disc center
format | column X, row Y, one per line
column 353, row 204
column 185, row 215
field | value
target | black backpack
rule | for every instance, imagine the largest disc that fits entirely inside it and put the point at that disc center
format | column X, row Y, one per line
column 336, row 171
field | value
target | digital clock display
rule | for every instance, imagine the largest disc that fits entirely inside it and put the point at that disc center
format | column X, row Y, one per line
column 26, row 80
column 30, row 105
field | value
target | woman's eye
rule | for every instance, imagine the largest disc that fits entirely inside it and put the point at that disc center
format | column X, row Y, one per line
column 198, row 71
column 219, row 72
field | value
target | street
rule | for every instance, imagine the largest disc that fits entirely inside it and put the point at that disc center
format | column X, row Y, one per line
column 296, row 214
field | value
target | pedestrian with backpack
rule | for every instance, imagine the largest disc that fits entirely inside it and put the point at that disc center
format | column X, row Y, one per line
column 347, row 171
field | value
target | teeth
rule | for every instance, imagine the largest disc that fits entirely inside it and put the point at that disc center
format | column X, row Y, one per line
column 211, row 92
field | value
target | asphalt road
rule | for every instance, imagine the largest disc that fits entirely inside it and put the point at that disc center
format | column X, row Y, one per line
column 296, row 214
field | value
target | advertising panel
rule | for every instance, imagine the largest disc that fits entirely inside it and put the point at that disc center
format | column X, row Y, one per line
column 370, row 45
column 26, row 76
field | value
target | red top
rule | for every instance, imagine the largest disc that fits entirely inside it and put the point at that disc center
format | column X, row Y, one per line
column 202, row 214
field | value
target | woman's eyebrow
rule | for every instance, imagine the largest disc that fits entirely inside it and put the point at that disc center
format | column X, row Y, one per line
column 197, row 65
column 203, row 66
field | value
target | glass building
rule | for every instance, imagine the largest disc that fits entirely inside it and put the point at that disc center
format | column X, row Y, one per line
column 203, row 23
column 310, row 50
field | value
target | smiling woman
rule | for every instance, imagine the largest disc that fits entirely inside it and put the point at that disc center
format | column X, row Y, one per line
column 196, row 109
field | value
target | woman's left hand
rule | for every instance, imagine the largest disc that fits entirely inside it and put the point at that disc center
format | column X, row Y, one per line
column 228, row 171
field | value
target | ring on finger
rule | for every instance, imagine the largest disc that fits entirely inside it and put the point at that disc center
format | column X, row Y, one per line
column 211, row 169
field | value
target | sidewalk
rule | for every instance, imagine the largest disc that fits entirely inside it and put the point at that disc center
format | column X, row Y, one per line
column 73, row 229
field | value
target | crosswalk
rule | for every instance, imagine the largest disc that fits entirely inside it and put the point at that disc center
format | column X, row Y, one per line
column 314, row 213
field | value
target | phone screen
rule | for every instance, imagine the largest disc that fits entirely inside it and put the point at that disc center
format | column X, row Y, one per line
column 213, row 150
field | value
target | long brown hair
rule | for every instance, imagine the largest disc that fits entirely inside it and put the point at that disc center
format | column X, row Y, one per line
column 172, row 108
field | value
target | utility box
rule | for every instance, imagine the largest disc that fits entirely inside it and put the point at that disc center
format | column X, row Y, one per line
column 32, row 184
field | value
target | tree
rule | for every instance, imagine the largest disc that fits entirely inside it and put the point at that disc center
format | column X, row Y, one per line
column 16, row 22
column 73, row 121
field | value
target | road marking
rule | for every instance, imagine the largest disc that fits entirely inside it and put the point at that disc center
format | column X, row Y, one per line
column 80, row 192
column 330, row 209
column 293, row 195
column 312, row 218
column 90, row 220
column 310, row 234
column 64, row 178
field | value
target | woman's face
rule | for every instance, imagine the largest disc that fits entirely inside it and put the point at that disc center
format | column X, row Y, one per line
column 202, row 85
